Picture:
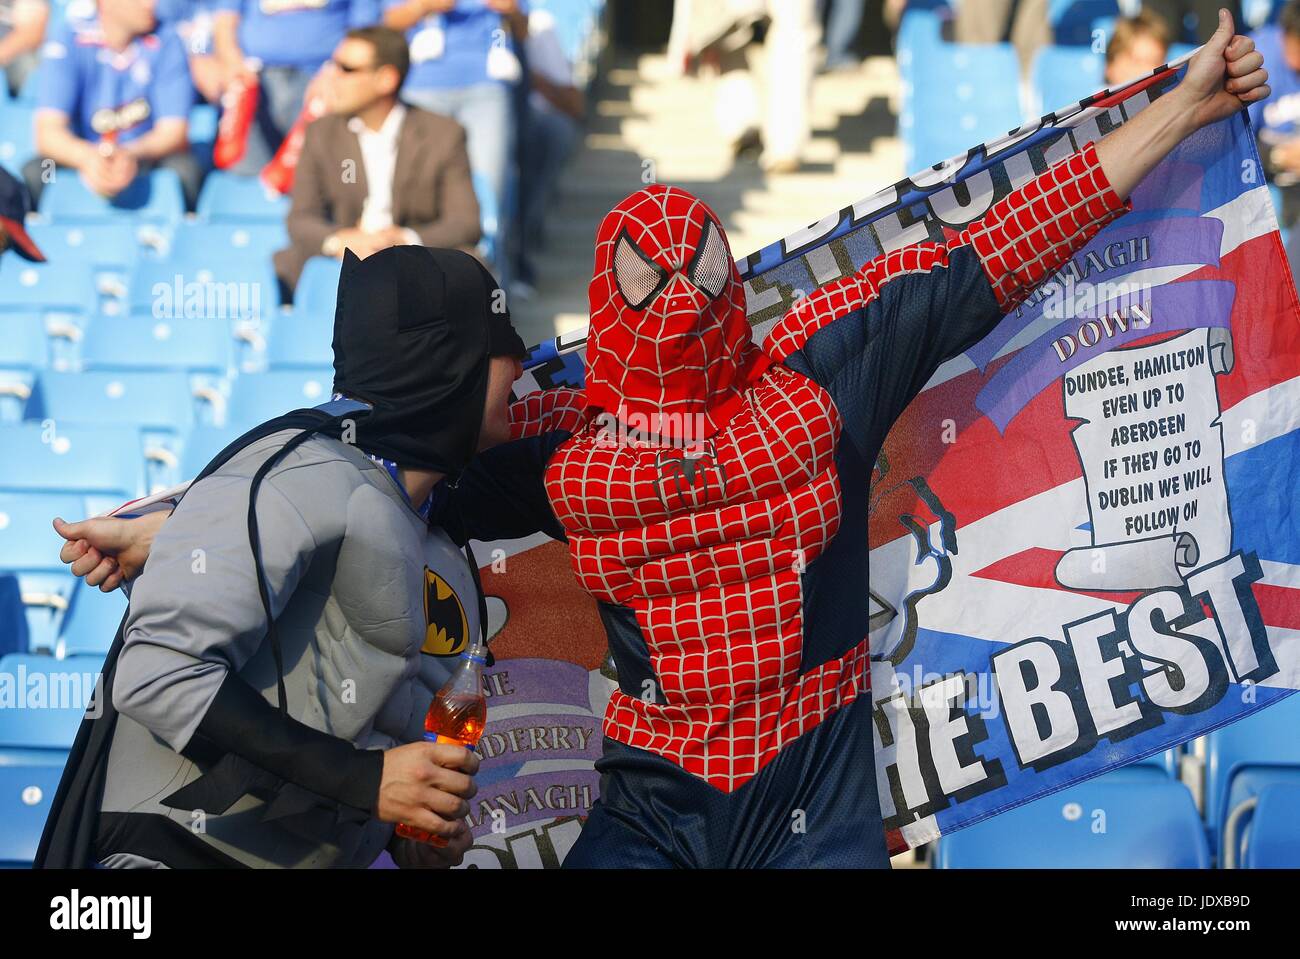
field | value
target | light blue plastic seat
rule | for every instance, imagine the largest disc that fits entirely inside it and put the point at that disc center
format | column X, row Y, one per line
column 198, row 241
column 51, row 458
column 1274, row 839
column 227, row 197
column 17, row 136
column 204, row 287
column 317, row 289
column 1245, row 757
column 257, row 397
column 1062, row 76
column 105, row 246
column 146, row 343
column 300, row 341
column 26, row 791
column 156, row 198
column 46, row 287
column 151, row 401
column 1099, row 824
column 68, row 686
column 91, row 621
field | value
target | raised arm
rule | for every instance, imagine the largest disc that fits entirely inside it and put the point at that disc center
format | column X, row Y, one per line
column 876, row 337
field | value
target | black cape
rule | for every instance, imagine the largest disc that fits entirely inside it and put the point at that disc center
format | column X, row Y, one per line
column 68, row 841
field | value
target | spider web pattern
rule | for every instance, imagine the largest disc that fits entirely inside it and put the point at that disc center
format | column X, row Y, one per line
column 686, row 356
column 710, row 560
column 1023, row 239
column 545, row 411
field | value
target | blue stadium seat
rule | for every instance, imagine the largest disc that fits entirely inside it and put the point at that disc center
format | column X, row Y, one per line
column 51, row 458
column 17, row 136
column 1098, row 824
column 26, row 791
column 1072, row 20
column 1274, row 839
column 226, row 197
column 91, row 621
column 919, row 32
column 105, row 246
column 198, row 242
column 965, row 94
column 1063, row 75
column 317, row 289
column 299, row 341
column 1245, row 757
column 157, row 402
column 24, row 350
column 146, row 343
column 27, row 538
column 156, row 198
column 13, row 616
column 204, row 287
column 45, row 287
column 68, row 686
column 257, row 397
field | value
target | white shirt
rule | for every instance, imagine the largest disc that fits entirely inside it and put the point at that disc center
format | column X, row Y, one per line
column 379, row 158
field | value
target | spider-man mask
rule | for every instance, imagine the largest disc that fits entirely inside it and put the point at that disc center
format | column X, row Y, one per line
column 668, row 350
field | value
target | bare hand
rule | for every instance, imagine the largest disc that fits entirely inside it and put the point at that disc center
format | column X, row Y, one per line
column 107, row 551
column 1226, row 74
column 426, row 785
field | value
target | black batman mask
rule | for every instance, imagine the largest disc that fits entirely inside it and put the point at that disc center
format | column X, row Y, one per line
column 414, row 329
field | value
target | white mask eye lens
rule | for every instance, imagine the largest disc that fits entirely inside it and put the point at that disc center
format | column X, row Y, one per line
column 711, row 267
column 637, row 278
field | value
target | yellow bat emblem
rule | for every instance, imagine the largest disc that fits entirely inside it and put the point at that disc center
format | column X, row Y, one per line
column 446, row 626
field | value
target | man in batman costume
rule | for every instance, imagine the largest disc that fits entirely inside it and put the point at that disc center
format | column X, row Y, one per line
column 268, row 675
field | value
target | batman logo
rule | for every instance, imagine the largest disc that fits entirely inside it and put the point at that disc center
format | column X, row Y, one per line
column 446, row 626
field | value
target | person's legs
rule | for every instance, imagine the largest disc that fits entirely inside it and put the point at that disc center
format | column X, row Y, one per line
column 842, row 23
column 484, row 110
column 788, row 68
column 489, row 127
column 548, row 141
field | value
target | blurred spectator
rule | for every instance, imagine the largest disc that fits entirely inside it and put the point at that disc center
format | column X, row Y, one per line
column 1275, row 119
column 193, row 22
column 282, row 43
column 1193, row 20
column 22, row 31
column 114, row 102
column 550, row 128
column 1137, row 46
column 1023, row 22
column 843, row 18
column 15, row 204
column 773, row 108
column 375, row 173
column 463, row 65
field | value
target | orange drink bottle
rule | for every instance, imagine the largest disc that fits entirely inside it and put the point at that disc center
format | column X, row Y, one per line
column 456, row 715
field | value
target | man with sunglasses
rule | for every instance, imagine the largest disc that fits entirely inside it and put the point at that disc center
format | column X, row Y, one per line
column 375, row 172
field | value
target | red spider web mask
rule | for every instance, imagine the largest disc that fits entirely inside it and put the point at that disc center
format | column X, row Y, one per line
column 669, row 349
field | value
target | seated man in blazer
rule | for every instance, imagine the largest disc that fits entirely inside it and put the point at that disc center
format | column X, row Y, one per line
column 375, row 172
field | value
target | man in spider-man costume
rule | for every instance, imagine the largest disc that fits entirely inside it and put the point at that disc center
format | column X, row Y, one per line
column 715, row 494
